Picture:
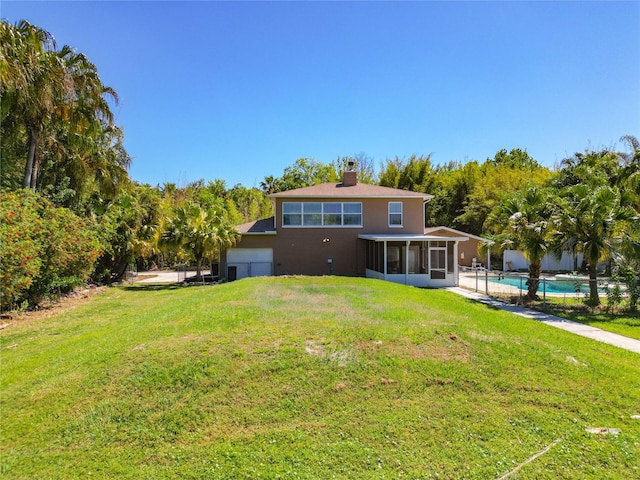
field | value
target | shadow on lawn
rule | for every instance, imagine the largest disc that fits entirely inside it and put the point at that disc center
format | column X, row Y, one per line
column 152, row 287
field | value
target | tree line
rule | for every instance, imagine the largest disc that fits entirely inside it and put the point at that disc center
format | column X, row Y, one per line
column 70, row 213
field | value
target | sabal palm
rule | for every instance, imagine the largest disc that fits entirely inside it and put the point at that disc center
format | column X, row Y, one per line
column 199, row 231
column 594, row 219
column 526, row 219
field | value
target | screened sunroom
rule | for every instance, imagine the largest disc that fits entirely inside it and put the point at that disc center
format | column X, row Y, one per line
column 418, row 260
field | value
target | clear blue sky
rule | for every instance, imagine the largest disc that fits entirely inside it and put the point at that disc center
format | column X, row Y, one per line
column 240, row 90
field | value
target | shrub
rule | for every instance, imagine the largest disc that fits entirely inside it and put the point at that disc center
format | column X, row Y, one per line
column 43, row 249
column 70, row 250
column 21, row 233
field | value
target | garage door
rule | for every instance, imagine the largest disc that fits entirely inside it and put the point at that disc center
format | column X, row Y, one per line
column 250, row 262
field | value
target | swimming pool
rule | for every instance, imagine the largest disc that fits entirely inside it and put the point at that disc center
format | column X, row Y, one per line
column 550, row 286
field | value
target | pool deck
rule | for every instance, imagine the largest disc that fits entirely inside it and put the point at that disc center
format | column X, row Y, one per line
column 477, row 280
column 574, row 327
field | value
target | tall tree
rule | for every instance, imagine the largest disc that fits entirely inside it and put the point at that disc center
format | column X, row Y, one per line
column 362, row 163
column 414, row 174
column 32, row 79
column 503, row 174
column 54, row 97
column 595, row 218
column 201, row 233
column 630, row 168
column 526, row 217
column 306, row 172
column 271, row 184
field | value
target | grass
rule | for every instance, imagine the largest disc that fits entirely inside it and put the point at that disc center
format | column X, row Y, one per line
column 618, row 321
column 310, row 378
column 623, row 323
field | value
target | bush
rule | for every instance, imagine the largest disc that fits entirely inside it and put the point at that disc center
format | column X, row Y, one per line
column 21, row 234
column 70, row 250
column 43, row 249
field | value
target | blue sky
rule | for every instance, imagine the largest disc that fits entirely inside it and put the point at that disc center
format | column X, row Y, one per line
column 240, row 90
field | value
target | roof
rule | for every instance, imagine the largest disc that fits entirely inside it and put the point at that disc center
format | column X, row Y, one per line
column 456, row 232
column 264, row 226
column 359, row 190
column 411, row 237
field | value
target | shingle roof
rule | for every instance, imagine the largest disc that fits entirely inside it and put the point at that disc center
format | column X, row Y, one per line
column 360, row 190
column 430, row 230
column 264, row 225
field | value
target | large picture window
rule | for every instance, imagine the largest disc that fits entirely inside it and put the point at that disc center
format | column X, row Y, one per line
column 322, row 214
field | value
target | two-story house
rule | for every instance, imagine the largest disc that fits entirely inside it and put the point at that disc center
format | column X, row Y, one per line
column 350, row 229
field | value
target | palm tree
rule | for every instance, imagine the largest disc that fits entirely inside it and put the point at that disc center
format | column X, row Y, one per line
column 594, row 220
column 43, row 88
column 32, row 78
column 271, row 184
column 526, row 219
column 201, row 232
column 629, row 177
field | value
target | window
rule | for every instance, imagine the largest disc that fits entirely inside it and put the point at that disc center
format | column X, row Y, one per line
column 352, row 214
column 291, row 214
column 312, row 213
column 395, row 214
column 322, row 214
column 332, row 213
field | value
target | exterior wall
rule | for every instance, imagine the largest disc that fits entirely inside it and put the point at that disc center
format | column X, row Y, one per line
column 550, row 263
column 376, row 215
column 247, row 241
column 468, row 248
column 306, row 251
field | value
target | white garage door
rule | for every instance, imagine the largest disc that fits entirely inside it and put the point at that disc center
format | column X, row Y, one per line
column 251, row 262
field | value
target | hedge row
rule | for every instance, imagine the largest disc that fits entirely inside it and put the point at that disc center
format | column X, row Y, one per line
column 44, row 249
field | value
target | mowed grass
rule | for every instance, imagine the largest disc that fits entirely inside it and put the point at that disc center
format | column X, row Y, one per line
column 626, row 323
column 310, row 378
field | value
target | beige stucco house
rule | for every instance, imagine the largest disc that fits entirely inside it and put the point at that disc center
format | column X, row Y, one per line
column 349, row 229
column 469, row 255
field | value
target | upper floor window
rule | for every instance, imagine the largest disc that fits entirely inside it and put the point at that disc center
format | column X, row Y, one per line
column 322, row 214
column 395, row 214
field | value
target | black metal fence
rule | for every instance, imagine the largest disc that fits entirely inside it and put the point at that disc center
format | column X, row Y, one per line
column 556, row 287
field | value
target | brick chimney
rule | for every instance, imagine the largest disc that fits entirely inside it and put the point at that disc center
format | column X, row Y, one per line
column 349, row 177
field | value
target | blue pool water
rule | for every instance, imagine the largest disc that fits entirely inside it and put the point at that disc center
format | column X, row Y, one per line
column 551, row 286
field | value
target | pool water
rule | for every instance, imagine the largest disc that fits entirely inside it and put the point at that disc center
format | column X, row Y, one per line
column 550, row 286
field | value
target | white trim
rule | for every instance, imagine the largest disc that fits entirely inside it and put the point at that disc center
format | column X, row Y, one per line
column 323, row 226
column 458, row 232
column 400, row 237
column 322, row 214
column 424, row 197
column 401, row 213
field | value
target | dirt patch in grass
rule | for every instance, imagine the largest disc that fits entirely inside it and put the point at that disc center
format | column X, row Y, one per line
column 445, row 347
column 341, row 356
column 50, row 308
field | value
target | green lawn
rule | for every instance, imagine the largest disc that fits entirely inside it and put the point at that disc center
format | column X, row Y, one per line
column 310, row 378
column 622, row 323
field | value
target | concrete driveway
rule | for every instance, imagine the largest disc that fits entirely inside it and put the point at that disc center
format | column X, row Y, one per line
column 161, row 276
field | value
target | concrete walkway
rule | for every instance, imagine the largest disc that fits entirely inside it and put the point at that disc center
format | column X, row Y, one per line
column 162, row 276
column 568, row 325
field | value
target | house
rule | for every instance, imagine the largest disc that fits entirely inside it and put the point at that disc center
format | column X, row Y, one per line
column 349, row 229
column 468, row 252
